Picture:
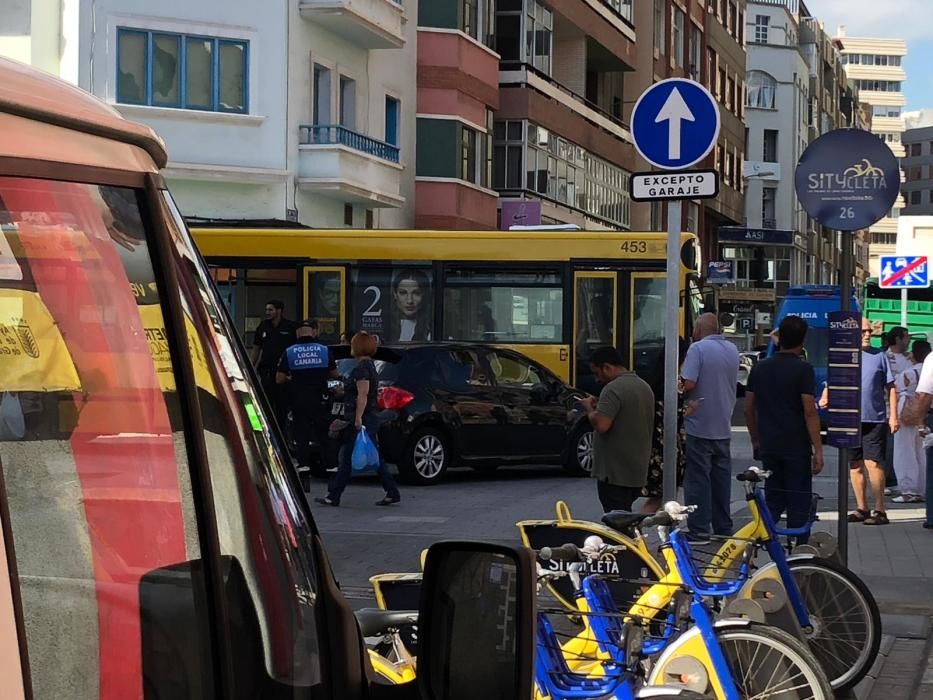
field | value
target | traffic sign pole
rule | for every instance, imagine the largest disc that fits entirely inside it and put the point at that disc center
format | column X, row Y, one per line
column 904, row 307
column 842, row 487
column 671, row 349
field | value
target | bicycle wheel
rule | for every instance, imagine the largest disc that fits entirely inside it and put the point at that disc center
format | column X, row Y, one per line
column 769, row 664
column 845, row 632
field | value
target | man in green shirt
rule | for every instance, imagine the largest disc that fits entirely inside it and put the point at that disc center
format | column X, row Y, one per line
column 623, row 421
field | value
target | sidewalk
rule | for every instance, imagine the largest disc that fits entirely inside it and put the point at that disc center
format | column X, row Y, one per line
column 896, row 562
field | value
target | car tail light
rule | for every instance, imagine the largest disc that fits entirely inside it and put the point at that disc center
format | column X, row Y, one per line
column 391, row 398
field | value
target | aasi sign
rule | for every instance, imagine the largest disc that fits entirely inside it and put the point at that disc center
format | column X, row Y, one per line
column 848, row 179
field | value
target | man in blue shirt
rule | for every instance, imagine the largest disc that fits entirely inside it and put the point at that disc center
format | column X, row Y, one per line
column 879, row 422
column 780, row 411
column 709, row 377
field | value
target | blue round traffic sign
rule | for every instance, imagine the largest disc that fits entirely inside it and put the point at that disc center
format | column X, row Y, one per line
column 848, row 179
column 675, row 123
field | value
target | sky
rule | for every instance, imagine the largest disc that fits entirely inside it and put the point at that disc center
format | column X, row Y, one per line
column 900, row 19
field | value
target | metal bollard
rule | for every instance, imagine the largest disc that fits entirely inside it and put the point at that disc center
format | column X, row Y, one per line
column 772, row 597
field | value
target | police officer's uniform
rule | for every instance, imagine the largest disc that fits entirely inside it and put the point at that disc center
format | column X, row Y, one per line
column 309, row 365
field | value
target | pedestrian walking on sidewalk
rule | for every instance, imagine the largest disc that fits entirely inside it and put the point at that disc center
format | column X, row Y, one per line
column 709, row 382
column 780, row 411
column 622, row 420
column 909, row 458
column 896, row 344
column 361, row 394
column 879, row 422
column 917, row 412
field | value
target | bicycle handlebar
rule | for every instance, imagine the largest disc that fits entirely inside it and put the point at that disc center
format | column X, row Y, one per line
column 753, row 475
column 568, row 553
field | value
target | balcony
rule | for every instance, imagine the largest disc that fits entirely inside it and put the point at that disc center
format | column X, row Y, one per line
column 338, row 162
column 371, row 24
column 520, row 75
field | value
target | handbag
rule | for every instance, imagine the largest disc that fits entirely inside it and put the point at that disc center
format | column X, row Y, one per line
column 365, row 455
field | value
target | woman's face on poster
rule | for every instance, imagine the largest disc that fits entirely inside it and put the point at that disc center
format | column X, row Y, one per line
column 408, row 297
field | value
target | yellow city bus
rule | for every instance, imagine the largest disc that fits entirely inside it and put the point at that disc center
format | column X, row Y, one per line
column 551, row 295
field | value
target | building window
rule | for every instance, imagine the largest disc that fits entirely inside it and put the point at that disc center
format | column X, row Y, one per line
column 539, row 29
column 677, row 36
column 478, row 20
column 174, row 70
column 886, row 111
column 733, row 20
column 476, row 153
column 623, row 8
column 762, row 89
column 560, row 171
column 393, row 111
column 768, row 202
column 730, row 94
column 696, row 40
column 321, row 98
column 710, row 64
column 769, row 154
column 659, row 34
column 762, row 26
column 347, row 103
column 915, row 197
column 721, row 84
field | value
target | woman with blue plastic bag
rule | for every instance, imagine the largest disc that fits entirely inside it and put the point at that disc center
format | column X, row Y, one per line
column 361, row 402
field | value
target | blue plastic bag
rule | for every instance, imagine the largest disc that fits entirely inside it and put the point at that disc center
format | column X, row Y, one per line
column 365, row 455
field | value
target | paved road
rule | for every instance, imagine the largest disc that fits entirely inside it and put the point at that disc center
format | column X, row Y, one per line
column 363, row 539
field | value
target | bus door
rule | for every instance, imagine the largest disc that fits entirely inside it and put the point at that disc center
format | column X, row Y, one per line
column 323, row 298
column 595, row 320
column 644, row 312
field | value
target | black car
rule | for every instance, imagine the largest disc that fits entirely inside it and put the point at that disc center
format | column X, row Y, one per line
column 448, row 405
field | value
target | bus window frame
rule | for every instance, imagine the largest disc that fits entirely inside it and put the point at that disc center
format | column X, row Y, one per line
column 564, row 283
column 304, row 290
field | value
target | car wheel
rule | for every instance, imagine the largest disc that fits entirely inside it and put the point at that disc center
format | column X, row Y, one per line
column 579, row 460
column 427, row 457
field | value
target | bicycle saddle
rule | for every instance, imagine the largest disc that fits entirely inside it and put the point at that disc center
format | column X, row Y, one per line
column 623, row 521
column 376, row 623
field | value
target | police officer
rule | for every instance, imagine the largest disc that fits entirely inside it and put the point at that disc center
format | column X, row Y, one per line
column 270, row 340
column 305, row 368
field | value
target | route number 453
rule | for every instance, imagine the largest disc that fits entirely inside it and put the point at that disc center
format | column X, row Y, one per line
column 846, row 212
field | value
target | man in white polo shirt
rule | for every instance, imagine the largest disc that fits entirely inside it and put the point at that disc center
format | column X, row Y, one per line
column 919, row 409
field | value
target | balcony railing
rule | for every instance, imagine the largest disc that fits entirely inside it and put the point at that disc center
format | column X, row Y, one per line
column 335, row 134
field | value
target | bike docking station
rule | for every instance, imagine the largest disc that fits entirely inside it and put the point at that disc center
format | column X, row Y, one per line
column 847, row 180
column 675, row 125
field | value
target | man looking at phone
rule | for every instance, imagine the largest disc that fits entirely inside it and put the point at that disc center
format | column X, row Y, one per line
column 780, row 411
column 623, row 421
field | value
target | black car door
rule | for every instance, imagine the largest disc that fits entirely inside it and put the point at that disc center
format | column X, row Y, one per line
column 534, row 410
column 468, row 401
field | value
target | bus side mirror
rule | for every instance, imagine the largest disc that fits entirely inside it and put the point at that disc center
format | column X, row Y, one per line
column 477, row 622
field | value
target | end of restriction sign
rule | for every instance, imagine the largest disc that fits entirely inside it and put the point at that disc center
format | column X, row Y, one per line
column 685, row 184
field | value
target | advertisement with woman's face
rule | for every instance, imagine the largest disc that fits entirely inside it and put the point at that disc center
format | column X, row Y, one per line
column 394, row 305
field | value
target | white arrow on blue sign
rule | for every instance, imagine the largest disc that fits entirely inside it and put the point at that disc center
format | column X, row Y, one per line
column 904, row 271
column 675, row 123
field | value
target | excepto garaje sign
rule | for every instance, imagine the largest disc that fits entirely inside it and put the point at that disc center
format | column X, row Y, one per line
column 695, row 184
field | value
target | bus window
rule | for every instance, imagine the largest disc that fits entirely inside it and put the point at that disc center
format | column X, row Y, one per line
column 396, row 305
column 324, row 292
column 259, row 520
column 92, row 449
column 502, row 306
column 647, row 329
column 594, row 321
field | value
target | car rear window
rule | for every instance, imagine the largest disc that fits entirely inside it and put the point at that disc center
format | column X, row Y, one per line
column 414, row 369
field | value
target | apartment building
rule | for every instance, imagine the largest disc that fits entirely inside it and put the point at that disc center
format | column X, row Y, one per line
column 876, row 67
column 917, row 164
column 796, row 90
column 296, row 113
